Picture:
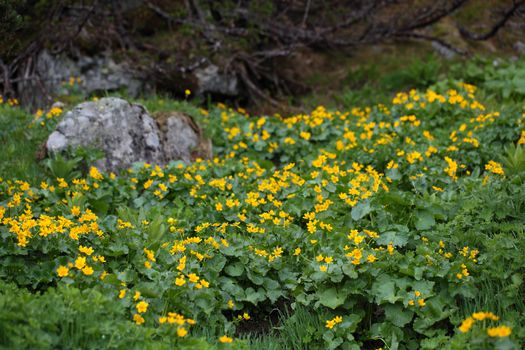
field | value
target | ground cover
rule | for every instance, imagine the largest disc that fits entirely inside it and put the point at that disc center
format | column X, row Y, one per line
column 397, row 226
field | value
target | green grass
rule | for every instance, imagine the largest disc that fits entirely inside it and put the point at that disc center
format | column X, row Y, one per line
column 20, row 143
column 295, row 330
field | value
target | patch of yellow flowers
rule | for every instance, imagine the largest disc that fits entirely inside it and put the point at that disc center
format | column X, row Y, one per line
column 499, row 331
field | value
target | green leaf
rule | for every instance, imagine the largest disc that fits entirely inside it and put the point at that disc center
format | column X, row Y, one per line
column 349, row 270
column 360, row 210
column 255, row 296
column 384, row 289
column 398, row 315
column 235, row 269
column 394, row 174
column 424, row 220
column 398, row 239
column 331, row 298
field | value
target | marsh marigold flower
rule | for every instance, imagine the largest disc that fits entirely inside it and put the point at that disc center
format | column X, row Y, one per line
column 225, row 339
column 75, row 211
column 181, row 332
column 85, row 250
column 80, row 262
column 494, row 167
column 142, row 307
column 62, row 271
column 95, row 174
column 138, row 319
column 122, row 294
column 331, row 323
column 501, row 331
column 87, row 270
column 466, row 325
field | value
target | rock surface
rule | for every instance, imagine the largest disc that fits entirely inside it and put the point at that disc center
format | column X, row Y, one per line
column 96, row 74
column 179, row 136
column 520, row 47
column 126, row 133
column 211, row 80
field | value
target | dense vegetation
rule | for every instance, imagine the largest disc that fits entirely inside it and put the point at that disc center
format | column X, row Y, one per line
column 267, row 50
column 396, row 226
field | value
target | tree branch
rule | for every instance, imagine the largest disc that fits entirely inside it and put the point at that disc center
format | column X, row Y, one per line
column 497, row 26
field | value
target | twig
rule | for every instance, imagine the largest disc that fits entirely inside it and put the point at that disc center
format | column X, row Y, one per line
column 306, row 11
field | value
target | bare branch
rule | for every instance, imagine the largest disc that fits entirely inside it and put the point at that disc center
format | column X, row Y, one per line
column 497, row 26
column 411, row 35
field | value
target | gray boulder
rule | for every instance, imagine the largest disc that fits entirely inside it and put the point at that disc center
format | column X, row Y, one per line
column 126, row 133
column 182, row 138
column 123, row 131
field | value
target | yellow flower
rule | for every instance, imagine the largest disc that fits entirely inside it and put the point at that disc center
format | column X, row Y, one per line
column 95, row 174
column 122, row 294
column 150, row 255
column 187, row 92
column 494, row 168
column 62, row 183
column 323, row 268
column 305, row 135
column 142, row 307
column 225, row 339
column 85, row 250
column 501, row 331
column 181, row 332
column 182, row 263
column 136, row 296
column 466, row 325
column 80, row 262
column 148, row 184
column 390, row 248
column 88, row 270
column 62, row 271
column 138, row 319
column 180, row 281
column 521, row 141
column 331, row 323
column 75, row 211
column 193, row 278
